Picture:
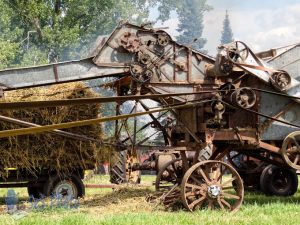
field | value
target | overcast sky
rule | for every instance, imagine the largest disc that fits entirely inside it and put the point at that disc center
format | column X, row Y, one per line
column 262, row 24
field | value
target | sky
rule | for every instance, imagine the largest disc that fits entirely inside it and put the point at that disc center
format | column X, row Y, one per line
column 261, row 24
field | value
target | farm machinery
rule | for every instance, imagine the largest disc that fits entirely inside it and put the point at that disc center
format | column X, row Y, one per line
column 233, row 121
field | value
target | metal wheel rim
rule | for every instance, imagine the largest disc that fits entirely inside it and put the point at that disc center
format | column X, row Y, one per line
column 65, row 188
column 199, row 190
column 291, row 155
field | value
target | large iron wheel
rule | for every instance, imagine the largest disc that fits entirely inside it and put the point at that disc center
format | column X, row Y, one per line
column 290, row 150
column 212, row 184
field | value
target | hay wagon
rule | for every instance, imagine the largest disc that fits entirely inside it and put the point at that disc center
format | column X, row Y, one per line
column 231, row 118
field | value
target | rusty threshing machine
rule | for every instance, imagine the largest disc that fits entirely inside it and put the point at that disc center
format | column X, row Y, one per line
column 233, row 120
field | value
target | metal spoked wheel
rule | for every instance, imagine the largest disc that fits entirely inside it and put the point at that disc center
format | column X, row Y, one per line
column 212, row 184
column 244, row 97
column 168, row 182
column 238, row 52
column 290, row 150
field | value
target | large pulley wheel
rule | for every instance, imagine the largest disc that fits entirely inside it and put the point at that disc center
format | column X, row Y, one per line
column 212, row 184
column 130, row 42
column 139, row 73
column 290, row 150
column 244, row 97
column 237, row 52
column 281, row 80
column 278, row 181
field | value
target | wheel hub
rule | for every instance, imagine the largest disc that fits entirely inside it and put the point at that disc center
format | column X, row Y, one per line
column 213, row 191
column 65, row 189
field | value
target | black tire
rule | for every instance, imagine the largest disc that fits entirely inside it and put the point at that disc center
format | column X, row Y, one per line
column 35, row 192
column 117, row 167
column 278, row 181
column 120, row 171
column 73, row 182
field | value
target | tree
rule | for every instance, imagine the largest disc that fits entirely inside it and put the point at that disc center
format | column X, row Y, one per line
column 10, row 34
column 227, row 35
column 64, row 29
column 190, row 14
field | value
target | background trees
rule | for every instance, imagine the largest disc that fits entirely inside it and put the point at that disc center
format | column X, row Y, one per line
column 227, row 35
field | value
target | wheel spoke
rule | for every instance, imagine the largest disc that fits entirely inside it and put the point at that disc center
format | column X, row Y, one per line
column 226, row 203
column 197, row 201
column 204, row 176
column 296, row 159
column 189, row 194
column 292, row 150
column 225, row 194
column 229, row 181
column 218, row 175
column 210, row 205
column 295, row 141
column 196, row 180
column 220, row 203
column 227, row 187
column 193, row 186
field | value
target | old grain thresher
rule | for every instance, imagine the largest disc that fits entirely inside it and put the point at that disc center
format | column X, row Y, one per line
column 232, row 107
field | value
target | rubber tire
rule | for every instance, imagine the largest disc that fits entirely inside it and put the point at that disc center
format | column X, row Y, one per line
column 36, row 192
column 53, row 180
column 266, row 181
column 117, row 167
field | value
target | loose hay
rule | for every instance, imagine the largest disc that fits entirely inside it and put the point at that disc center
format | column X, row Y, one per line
column 51, row 151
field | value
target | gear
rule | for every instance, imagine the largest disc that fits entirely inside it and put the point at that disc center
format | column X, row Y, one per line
column 130, row 42
column 281, row 80
column 244, row 97
column 163, row 40
column 237, row 52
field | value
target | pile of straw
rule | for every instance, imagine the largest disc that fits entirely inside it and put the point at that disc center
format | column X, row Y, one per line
column 46, row 150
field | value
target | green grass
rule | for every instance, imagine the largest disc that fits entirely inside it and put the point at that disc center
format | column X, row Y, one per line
column 128, row 206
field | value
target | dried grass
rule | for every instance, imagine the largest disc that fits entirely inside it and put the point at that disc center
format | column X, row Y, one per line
column 51, row 151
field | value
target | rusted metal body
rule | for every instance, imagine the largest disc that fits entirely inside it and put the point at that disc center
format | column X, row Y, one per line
column 233, row 107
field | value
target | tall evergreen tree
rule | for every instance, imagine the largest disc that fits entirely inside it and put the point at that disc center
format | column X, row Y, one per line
column 191, row 25
column 227, row 35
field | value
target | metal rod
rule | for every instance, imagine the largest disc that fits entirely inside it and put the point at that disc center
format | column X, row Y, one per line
column 81, row 101
column 33, row 130
column 58, row 132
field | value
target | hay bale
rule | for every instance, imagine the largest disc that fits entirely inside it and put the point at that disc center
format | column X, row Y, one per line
column 38, row 151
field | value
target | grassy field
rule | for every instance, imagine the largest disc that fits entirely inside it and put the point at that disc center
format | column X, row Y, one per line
column 128, row 206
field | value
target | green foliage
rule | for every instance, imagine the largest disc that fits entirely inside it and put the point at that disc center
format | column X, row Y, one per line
column 227, row 35
column 8, row 52
column 66, row 28
column 190, row 14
